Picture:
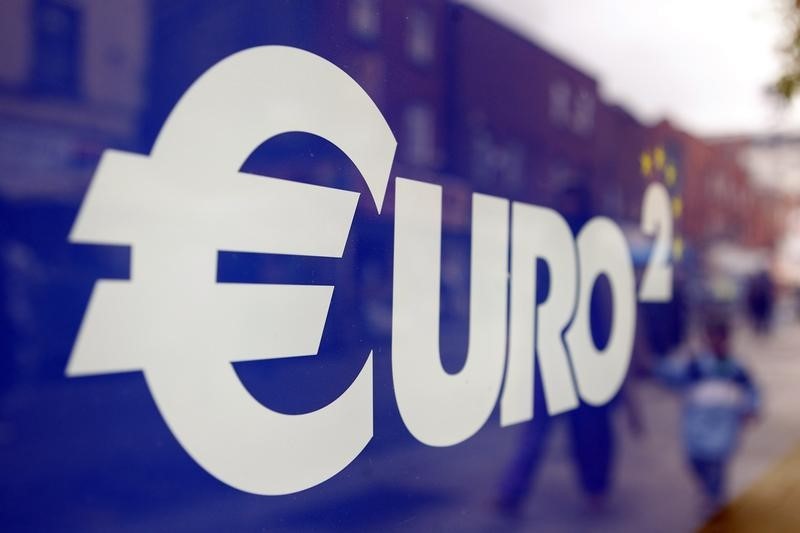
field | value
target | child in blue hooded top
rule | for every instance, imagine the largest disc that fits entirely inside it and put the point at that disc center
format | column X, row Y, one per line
column 718, row 397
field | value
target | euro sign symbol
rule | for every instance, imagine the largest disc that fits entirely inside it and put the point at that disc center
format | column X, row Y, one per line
column 183, row 203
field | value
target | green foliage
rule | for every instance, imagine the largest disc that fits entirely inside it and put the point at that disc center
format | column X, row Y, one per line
column 788, row 84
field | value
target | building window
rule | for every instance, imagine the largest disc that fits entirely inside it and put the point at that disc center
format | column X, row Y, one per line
column 497, row 162
column 583, row 117
column 420, row 37
column 571, row 110
column 420, row 130
column 57, row 49
column 364, row 19
column 370, row 71
column 559, row 103
column 513, row 165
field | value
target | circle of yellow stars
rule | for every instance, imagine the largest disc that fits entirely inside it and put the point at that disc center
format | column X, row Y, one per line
column 655, row 164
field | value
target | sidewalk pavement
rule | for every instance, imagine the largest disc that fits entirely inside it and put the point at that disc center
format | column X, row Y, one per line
column 653, row 490
column 413, row 486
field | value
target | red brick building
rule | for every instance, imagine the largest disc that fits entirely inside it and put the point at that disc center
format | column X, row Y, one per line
column 524, row 120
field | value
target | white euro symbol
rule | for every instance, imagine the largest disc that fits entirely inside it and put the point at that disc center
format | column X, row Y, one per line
column 186, row 201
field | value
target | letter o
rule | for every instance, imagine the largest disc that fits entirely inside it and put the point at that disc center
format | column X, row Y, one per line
column 599, row 374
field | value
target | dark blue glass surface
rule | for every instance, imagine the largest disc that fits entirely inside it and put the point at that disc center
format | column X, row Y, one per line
column 475, row 107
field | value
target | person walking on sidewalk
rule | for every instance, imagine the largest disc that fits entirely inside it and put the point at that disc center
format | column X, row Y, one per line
column 718, row 398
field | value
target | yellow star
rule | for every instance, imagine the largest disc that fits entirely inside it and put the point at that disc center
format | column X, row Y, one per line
column 646, row 163
column 677, row 249
column 670, row 175
column 660, row 157
column 677, row 207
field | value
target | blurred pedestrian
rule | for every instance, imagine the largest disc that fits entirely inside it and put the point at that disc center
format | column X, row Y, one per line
column 760, row 301
column 590, row 428
column 719, row 396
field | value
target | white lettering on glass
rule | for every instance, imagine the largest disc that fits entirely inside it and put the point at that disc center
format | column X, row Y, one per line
column 180, row 205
